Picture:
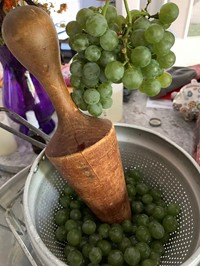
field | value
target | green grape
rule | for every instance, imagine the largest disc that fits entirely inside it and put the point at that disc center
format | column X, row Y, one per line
column 95, row 255
column 142, row 188
column 142, row 234
column 152, row 70
column 72, row 28
column 132, row 78
column 169, row 37
column 61, row 217
column 120, row 21
column 109, row 40
column 164, row 46
column 132, row 256
column 116, row 234
column 67, row 250
column 114, row 71
column 155, row 193
column 154, row 33
column 95, row 109
column 115, row 257
column 133, row 238
column 78, row 56
column 65, row 201
column 92, row 53
column 106, row 102
column 137, row 38
column 137, row 207
column 71, row 224
column 157, row 21
column 103, row 230
column 165, row 79
column 155, row 257
column 90, row 83
column 141, row 23
column 168, row 13
column 158, row 213
column 105, row 246
column 82, row 105
column 89, row 227
column 148, row 262
column 75, row 81
column 79, row 42
column 107, row 57
column 76, row 68
column 158, row 247
column 96, row 25
column 167, row 61
column 82, row 16
column 147, row 198
column 69, row 191
column 86, row 249
column 94, row 8
column 114, row 27
column 140, row 56
column 75, row 204
column 75, row 258
column 151, row 87
column 142, row 219
column 173, row 209
column 75, row 214
column 165, row 238
column 144, row 250
column 91, row 96
column 94, row 238
column 111, row 14
column 102, row 76
column 170, row 223
column 135, row 14
column 93, row 40
column 91, row 71
column 61, row 233
column 131, row 190
column 156, row 230
column 127, row 226
column 125, row 243
column 105, row 90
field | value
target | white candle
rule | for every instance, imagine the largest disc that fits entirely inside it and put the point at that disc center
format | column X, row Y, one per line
column 8, row 143
column 115, row 112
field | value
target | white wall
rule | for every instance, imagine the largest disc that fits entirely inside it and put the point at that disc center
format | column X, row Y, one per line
column 187, row 51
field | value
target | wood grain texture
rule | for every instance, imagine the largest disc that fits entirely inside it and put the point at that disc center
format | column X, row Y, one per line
column 96, row 174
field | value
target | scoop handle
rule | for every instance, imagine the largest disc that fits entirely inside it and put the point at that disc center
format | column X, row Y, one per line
column 30, row 35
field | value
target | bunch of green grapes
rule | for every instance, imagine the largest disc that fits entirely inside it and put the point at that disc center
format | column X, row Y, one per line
column 138, row 241
column 135, row 51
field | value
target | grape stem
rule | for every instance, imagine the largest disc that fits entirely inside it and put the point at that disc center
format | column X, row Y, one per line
column 128, row 29
column 128, row 11
column 146, row 7
column 105, row 7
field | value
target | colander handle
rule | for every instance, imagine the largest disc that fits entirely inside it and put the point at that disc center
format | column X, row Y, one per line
column 17, row 228
column 24, row 122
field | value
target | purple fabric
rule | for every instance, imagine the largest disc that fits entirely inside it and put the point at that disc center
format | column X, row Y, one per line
column 18, row 97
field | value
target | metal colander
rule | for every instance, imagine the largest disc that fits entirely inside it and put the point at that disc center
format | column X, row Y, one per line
column 165, row 166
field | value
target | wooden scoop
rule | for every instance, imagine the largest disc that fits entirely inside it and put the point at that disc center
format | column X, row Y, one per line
column 84, row 149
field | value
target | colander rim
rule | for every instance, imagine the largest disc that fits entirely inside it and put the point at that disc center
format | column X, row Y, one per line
column 153, row 132
column 32, row 232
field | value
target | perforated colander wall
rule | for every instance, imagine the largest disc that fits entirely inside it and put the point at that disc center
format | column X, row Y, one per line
column 158, row 172
column 163, row 175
